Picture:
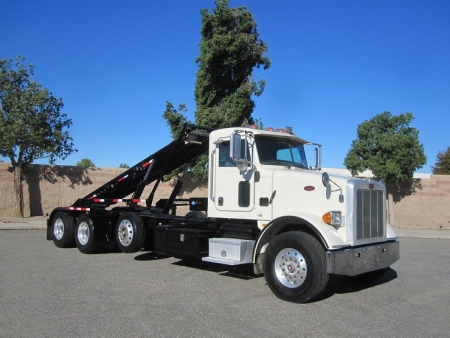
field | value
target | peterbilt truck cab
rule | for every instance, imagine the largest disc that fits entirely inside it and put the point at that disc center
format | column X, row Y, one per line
column 300, row 210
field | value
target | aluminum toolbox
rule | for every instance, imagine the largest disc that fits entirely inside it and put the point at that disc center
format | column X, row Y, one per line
column 230, row 251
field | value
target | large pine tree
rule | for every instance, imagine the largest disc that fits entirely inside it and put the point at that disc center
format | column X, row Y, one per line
column 230, row 49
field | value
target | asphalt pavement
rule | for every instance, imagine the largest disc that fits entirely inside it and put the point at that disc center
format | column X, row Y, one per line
column 40, row 223
column 50, row 292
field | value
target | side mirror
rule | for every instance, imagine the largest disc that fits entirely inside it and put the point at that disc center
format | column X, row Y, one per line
column 325, row 179
column 235, row 147
column 316, row 157
column 238, row 151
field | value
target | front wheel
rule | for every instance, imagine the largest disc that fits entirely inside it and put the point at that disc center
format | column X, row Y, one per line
column 130, row 233
column 295, row 267
column 84, row 237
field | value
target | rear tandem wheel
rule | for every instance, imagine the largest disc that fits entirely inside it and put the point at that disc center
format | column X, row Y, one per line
column 130, row 232
column 63, row 230
column 85, row 238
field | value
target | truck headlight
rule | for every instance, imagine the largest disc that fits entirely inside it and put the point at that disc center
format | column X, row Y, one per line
column 333, row 218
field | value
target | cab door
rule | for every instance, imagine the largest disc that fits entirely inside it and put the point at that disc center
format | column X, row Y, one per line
column 233, row 189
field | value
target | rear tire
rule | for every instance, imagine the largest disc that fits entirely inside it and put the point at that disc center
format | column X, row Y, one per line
column 130, row 232
column 63, row 230
column 85, row 238
column 295, row 267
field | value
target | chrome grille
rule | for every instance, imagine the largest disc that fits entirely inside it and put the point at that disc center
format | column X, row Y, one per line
column 369, row 214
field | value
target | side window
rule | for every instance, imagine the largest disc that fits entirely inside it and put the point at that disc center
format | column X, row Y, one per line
column 244, row 194
column 224, row 155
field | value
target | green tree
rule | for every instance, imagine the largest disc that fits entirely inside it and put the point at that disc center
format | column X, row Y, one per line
column 230, row 49
column 31, row 124
column 442, row 166
column 85, row 163
column 175, row 118
column 123, row 165
column 390, row 148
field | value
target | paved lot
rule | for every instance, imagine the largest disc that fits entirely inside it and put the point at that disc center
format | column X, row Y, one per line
column 51, row 292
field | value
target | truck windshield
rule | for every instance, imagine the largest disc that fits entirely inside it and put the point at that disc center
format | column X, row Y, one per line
column 284, row 152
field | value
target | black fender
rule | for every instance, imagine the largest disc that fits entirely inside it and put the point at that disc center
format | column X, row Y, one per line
column 276, row 227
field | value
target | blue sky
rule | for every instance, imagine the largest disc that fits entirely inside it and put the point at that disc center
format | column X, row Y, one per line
column 335, row 64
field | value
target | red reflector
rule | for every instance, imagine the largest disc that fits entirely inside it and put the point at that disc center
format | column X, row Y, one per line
column 122, row 178
column 371, row 186
column 309, row 188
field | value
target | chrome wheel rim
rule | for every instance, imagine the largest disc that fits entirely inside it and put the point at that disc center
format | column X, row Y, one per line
column 290, row 268
column 125, row 232
column 83, row 233
column 58, row 229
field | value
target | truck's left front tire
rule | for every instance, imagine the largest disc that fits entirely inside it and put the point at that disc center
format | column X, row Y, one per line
column 295, row 267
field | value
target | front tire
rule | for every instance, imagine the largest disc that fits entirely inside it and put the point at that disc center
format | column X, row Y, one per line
column 63, row 230
column 130, row 232
column 295, row 267
column 85, row 235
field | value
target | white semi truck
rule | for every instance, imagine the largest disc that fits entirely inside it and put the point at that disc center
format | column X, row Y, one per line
column 266, row 206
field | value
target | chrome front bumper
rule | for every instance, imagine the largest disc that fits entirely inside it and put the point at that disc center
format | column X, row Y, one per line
column 355, row 261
